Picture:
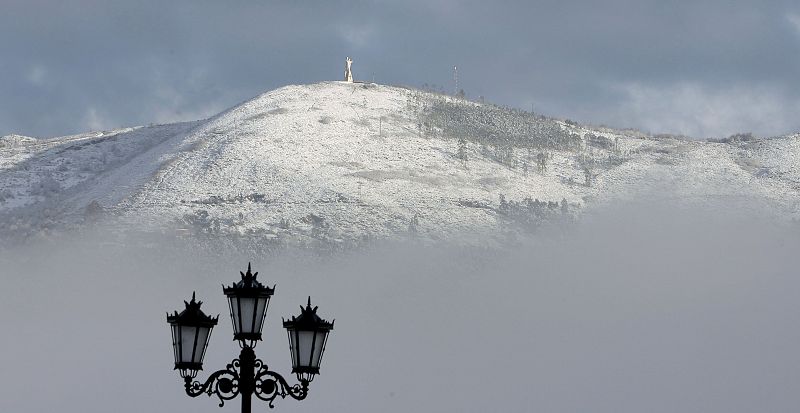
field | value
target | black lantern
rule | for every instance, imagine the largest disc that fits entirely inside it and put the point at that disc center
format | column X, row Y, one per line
column 191, row 330
column 248, row 300
column 308, row 334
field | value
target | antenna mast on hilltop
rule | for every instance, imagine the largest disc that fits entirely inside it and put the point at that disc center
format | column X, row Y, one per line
column 455, row 79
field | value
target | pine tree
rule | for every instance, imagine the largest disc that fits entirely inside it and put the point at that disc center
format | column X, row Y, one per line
column 413, row 225
column 462, row 150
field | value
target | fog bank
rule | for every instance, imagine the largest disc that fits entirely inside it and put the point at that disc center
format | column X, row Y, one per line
column 639, row 308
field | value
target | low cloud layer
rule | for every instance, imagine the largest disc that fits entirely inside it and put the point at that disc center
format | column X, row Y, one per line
column 642, row 308
column 700, row 111
column 707, row 68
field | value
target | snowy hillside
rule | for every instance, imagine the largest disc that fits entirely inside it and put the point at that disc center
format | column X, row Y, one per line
column 341, row 162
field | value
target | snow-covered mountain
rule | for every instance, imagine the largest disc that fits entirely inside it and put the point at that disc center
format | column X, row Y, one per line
column 342, row 162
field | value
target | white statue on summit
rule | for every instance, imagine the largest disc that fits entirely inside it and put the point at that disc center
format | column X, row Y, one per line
column 348, row 74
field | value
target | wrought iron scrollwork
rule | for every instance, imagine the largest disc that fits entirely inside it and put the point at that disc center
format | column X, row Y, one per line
column 222, row 383
column 269, row 385
column 239, row 378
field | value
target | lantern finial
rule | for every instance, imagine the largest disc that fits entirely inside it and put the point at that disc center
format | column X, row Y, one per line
column 192, row 313
column 308, row 317
column 308, row 306
column 249, row 276
column 193, row 303
column 249, row 280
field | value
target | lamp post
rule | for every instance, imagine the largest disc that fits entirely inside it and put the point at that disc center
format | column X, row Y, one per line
column 246, row 376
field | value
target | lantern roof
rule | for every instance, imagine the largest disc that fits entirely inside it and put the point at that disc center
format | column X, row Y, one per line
column 192, row 315
column 308, row 320
column 248, row 285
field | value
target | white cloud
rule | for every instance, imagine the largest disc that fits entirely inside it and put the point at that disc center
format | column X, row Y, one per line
column 794, row 19
column 700, row 111
column 172, row 114
column 93, row 121
column 170, row 105
column 36, row 75
column 356, row 36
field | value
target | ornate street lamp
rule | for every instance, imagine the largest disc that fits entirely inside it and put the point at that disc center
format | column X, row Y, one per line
column 191, row 330
column 248, row 300
column 308, row 334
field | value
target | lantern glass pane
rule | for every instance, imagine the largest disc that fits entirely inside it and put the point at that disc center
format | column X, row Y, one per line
column 262, row 308
column 202, row 339
column 234, row 304
column 305, row 341
column 293, row 346
column 319, row 344
column 248, row 308
column 175, row 342
column 187, row 340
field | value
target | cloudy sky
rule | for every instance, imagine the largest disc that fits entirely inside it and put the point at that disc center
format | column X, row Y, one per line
column 700, row 68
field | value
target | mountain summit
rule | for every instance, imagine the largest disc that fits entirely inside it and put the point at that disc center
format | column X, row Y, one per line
column 342, row 162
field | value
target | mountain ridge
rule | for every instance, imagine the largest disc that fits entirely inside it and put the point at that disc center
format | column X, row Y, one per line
column 342, row 162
